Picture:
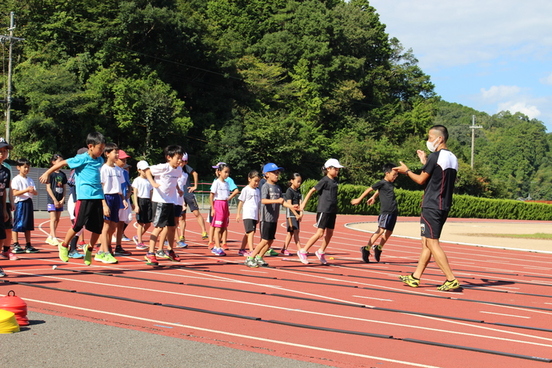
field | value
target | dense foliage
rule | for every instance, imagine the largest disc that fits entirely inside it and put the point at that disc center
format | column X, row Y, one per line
column 247, row 82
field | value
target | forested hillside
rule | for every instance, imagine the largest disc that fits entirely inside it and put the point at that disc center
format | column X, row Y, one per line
column 247, row 82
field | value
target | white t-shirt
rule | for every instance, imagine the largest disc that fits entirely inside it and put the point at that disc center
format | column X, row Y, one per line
column 182, row 185
column 221, row 189
column 21, row 183
column 167, row 177
column 112, row 178
column 143, row 187
column 251, row 198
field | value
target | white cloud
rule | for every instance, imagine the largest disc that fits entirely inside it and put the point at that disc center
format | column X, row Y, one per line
column 547, row 80
column 498, row 93
column 531, row 111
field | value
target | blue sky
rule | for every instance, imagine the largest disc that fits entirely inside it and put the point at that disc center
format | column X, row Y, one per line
column 490, row 55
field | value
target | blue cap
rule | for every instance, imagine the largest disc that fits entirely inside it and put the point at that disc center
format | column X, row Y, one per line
column 271, row 167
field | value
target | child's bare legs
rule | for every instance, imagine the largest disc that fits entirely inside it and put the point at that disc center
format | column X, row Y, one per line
column 153, row 238
column 326, row 240
column 27, row 236
column 105, row 238
column 54, row 222
column 287, row 241
column 313, row 239
column 431, row 247
column 169, row 233
column 141, row 230
column 296, row 239
column 261, row 248
column 200, row 221
column 216, row 236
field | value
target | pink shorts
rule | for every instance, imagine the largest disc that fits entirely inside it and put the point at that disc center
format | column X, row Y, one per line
column 222, row 214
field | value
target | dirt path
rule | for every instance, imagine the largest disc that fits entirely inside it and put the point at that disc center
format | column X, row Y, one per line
column 477, row 232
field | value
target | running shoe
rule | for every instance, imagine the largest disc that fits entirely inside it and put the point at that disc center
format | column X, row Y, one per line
column 17, row 248
column 87, row 251
column 377, row 252
column 261, row 262
column 108, row 258
column 242, row 252
column 204, row 235
column 52, row 241
column 181, row 238
column 2, row 273
column 151, row 260
column 218, row 252
column 271, row 253
column 100, row 257
column 9, row 256
column 125, row 238
column 410, row 280
column 285, row 252
column 63, row 253
column 30, row 249
column 75, row 255
column 365, row 251
column 120, row 251
column 173, row 256
column 450, row 285
column 302, row 257
column 224, row 246
column 81, row 244
column 135, row 240
column 162, row 254
column 250, row 262
column 321, row 257
column 211, row 245
column 141, row 246
column 181, row 244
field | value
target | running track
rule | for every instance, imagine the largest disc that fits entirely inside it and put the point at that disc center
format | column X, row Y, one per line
column 347, row 314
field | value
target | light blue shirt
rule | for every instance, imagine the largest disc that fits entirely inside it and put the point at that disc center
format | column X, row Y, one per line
column 87, row 176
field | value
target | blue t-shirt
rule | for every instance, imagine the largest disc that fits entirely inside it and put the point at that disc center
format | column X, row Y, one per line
column 87, row 176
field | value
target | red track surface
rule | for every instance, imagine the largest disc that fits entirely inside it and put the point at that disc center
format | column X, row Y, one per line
column 347, row 314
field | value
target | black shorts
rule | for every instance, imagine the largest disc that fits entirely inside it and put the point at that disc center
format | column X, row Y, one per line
column 325, row 220
column 177, row 210
column 89, row 213
column 191, row 202
column 268, row 230
column 145, row 214
column 163, row 214
column 387, row 221
column 249, row 225
column 292, row 224
column 9, row 224
column 431, row 222
column 4, row 224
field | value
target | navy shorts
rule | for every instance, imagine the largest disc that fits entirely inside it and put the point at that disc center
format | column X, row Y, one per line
column 23, row 218
column 432, row 222
column 114, row 203
column 387, row 221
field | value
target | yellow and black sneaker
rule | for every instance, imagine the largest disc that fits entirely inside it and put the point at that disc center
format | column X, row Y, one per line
column 410, row 280
column 365, row 251
column 377, row 252
column 450, row 285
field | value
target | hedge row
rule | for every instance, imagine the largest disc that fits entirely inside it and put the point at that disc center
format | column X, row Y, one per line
column 464, row 206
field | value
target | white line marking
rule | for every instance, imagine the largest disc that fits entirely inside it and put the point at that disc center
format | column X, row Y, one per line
column 367, row 297
column 506, row 315
column 284, row 343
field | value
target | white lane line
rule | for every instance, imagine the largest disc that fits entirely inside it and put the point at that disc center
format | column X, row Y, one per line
column 367, row 297
column 506, row 315
column 272, row 341
column 415, row 327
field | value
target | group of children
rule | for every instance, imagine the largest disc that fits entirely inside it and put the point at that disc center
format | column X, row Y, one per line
column 161, row 194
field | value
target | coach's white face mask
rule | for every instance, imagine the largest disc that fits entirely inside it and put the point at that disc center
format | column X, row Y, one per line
column 432, row 146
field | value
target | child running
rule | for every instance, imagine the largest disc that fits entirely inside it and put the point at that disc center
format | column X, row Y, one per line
column 90, row 196
column 388, row 212
column 24, row 190
column 271, row 199
column 142, row 204
column 293, row 218
column 326, row 211
column 165, row 177
column 250, row 199
column 56, row 198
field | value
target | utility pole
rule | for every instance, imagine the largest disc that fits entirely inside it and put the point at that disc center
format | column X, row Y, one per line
column 10, row 39
column 473, row 127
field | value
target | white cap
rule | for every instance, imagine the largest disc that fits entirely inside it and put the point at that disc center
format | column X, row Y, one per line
column 142, row 165
column 332, row 162
column 185, row 156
